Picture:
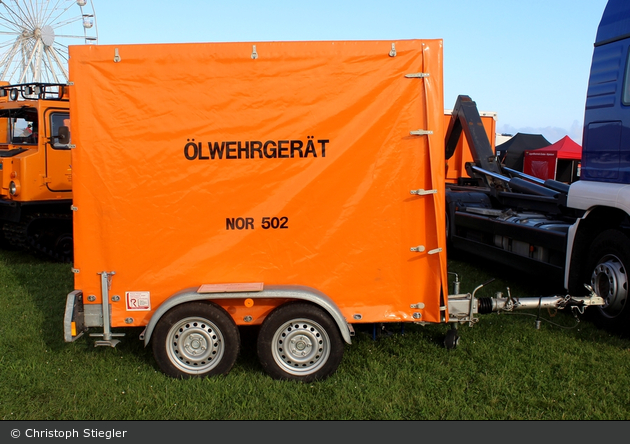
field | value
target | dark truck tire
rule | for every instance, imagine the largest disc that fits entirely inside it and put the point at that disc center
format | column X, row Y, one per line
column 609, row 257
column 196, row 339
column 299, row 341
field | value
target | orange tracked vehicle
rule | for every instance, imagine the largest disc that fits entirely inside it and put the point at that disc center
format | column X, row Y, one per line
column 35, row 169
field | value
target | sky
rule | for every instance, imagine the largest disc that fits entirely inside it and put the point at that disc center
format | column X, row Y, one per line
column 528, row 61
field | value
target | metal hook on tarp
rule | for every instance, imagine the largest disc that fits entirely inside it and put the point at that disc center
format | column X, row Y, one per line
column 392, row 53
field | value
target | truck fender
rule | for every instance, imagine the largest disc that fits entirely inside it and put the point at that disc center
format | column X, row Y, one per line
column 594, row 220
column 270, row 292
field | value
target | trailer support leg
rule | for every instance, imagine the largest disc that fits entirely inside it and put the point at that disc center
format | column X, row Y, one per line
column 107, row 335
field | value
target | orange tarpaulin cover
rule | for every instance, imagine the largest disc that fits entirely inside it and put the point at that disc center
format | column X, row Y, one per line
column 278, row 163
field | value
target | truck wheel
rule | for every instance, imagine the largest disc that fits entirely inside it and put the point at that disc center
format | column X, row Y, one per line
column 196, row 339
column 610, row 254
column 301, row 342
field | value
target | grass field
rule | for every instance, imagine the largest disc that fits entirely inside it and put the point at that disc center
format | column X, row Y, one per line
column 504, row 368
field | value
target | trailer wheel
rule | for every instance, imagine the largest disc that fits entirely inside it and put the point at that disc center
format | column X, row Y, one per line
column 610, row 254
column 451, row 340
column 301, row 342
column 196, row 339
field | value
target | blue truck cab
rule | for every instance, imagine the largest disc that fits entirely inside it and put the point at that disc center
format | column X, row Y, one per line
column 598, row 242
column 606, row 140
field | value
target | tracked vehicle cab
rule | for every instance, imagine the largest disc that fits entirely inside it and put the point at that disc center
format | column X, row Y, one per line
column 35, row 169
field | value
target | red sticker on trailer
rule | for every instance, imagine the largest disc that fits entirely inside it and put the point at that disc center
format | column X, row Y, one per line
column 138, row 300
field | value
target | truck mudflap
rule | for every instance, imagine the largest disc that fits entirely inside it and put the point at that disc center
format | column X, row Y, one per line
column 210, row 292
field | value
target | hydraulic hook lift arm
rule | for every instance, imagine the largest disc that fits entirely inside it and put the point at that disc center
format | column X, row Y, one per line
column 465, row 118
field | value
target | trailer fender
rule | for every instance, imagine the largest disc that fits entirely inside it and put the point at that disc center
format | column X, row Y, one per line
column 271, row 292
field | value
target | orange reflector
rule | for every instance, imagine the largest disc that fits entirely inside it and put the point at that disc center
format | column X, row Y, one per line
column 73, row 328
column 249, row 302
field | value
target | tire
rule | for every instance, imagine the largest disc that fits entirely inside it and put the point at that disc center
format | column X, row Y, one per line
column 196, row 339
column 451, row 340
column 610, row 258
column 299, row 341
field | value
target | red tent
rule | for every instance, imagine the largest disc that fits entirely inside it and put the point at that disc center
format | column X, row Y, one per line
column 560, row 161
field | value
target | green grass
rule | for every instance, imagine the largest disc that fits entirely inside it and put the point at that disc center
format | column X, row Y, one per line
column 504, row 368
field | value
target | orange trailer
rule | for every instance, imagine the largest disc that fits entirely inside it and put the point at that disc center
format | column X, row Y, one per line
column 296, row 186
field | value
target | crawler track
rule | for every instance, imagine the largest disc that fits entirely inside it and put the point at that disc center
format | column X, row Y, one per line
column 46, row 235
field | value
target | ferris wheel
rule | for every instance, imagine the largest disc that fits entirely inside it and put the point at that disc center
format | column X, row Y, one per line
column 35, row 35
